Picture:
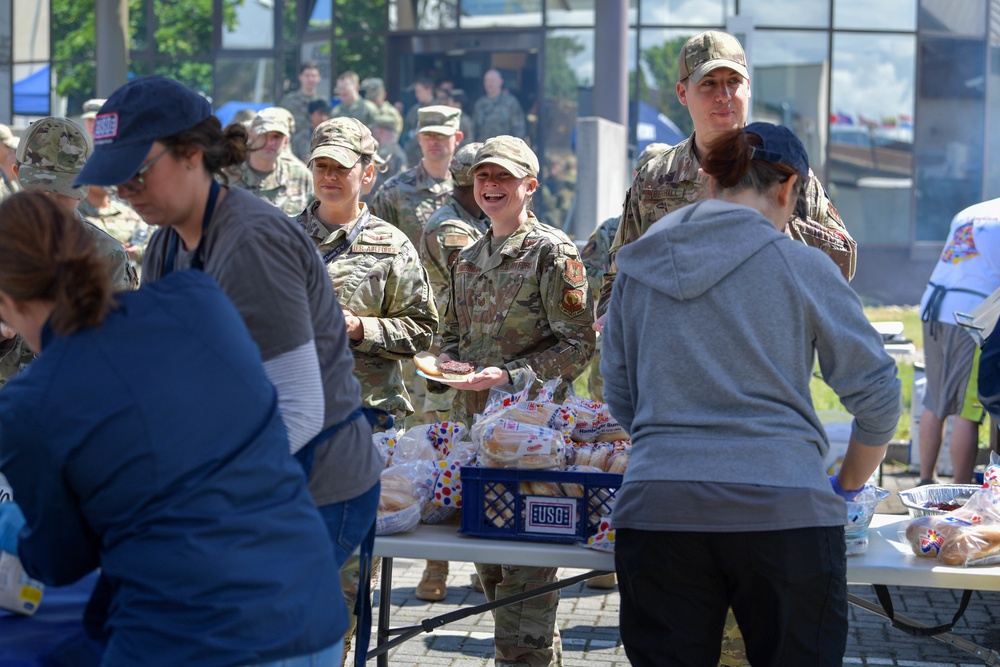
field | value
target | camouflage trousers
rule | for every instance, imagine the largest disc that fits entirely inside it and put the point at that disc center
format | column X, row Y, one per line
column 595, row 381
column 524, row 633
column 416, row 387
column 733, row 651
column 350, row 579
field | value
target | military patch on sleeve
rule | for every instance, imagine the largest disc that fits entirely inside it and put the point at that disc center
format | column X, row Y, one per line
column 374, row 249
column 573, row 302
column 832, row 211
column 456, row 240
column 575, row 274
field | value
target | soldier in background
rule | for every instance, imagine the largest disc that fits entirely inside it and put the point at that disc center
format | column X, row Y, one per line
column 298, row 101
column 271, row 171
column 49, row 156
column 391, row 154
column 352, row 105
column 712, row 71
column 374, row 90
column 423, row 90
column 497, row 112
column 8, row 150
column 90, row 109
column 118, row 219
column 317, row 112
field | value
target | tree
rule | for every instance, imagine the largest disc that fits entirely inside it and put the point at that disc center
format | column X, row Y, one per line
column 660, row 63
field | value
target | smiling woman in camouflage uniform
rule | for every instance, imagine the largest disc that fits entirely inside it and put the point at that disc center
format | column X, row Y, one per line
column 519, row 301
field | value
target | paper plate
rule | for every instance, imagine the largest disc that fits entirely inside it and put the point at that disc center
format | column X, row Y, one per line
column 438, row 378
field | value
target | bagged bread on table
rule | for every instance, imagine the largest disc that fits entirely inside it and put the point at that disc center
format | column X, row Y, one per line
column 406, row 489
column 447, row 498
column 969, row 535
column 385, row 443
column 594, row 421
column 991, row 476
column 428, row 442
column 509, row 444
column 604, row 538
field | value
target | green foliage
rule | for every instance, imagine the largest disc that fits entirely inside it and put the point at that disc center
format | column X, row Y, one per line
column 660, row 62
column 561, row 81
column 359, row 47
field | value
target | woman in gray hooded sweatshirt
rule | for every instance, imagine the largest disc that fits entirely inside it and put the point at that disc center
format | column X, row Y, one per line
column 712, row 331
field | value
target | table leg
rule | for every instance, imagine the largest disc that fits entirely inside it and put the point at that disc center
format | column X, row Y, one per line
column 384, row 608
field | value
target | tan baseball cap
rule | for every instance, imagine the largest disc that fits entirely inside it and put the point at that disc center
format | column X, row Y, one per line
column 91, row 107
column 648, row 153
column 342, row 139
column 439, row 119
column 373, row 86
column 509, row 152
column 51, row 154
column 7, row 137
column 708, row 51
column 461, row 164
column 272, row 119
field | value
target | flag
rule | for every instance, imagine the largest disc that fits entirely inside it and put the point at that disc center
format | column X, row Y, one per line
column 906, row 121
column 888, row 121
column 867, row 122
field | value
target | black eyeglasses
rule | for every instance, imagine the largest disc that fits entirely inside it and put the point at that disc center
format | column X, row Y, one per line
column 137, row 184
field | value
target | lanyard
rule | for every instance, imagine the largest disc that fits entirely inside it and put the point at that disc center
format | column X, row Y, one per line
column 351, row 238
column 196, row 262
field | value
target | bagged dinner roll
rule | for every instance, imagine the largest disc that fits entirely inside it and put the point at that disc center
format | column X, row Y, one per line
column 406, row 489
column 969, row 535
column 510, row 444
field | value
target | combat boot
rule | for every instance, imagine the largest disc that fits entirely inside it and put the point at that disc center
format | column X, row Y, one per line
column 433, row 586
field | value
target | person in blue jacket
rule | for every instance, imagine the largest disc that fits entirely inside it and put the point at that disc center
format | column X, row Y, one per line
column 146, row 441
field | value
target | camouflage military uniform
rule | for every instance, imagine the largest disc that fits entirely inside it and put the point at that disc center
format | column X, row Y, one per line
column 525, row 306
column 120, row 221
column 380, row 279
column 596, row 257
column 408, row 138
column 670, row 182
column 363, row 110
column 388, row 111
column 499, row 115
column 299, row 145
column 407, row 200
column 450, row 229
column 289, row 186
column 298, row 104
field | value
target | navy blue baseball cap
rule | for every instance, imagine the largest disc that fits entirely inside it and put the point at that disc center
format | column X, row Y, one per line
column 136, row 115
column 778, row 144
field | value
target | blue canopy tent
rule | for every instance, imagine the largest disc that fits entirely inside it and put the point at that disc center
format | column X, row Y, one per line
column 653, row 126
column 31, row 94
column 226, row 112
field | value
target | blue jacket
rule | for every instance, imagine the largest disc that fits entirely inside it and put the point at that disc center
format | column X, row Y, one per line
column 152, row 447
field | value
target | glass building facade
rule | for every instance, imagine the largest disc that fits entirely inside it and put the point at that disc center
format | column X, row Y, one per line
column 895, row 100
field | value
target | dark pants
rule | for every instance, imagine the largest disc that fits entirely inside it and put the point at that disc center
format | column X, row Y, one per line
column 788, row 590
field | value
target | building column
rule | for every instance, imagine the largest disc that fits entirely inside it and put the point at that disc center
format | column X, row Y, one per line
column 111, row 26
column 611, row 55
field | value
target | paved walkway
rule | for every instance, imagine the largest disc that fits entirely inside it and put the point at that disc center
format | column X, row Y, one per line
column 588, row 620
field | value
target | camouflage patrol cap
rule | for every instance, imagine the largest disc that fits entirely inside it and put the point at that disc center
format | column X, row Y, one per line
column 51, row 154
column 272, row 119
column 648, row 153
column 439, row 119
column 7, row 137
column 461, row 164
column 373, row 87
column 91, row 107
column 708, row 51
column 342, row 139
column 509, row 152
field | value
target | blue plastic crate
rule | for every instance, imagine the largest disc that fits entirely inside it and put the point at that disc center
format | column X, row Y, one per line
column 497, row 504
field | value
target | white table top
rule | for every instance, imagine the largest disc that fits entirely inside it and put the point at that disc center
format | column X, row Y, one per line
column 888, row 561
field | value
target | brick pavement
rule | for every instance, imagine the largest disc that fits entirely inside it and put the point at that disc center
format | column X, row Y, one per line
column 588, row 620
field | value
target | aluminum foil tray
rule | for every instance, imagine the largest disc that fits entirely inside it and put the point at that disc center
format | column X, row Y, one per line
column 915, row 499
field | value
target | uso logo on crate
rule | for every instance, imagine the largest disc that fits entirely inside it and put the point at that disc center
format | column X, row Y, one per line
column 550, row 515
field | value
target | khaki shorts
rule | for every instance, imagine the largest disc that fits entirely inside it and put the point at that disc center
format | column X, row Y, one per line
column 950, row 358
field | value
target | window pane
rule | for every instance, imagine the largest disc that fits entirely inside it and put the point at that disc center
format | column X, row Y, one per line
column 356, row 17
column 870, row 161
column 183, row 29
column 657, row 81
column 247, row 25
column 31, row 30
column 32, row 89
column 501, row 14
column 950, row 133
column 194, row 74
column 958, row 18
column 570, row 12
column 73, row 29
column 244, row 80
column 322, row 15
column 569, row 83
column 797, row 13
column 683, row 12
column 789, row 81
column 881, row 15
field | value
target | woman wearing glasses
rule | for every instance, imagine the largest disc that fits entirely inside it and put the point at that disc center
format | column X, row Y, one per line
column 180, row 491
column 167, row 160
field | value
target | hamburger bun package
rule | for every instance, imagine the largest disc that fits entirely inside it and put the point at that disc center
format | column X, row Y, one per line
column 406, row 489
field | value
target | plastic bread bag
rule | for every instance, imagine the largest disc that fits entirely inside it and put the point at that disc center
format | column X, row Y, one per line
column 428, row 442
column 385, row 443
column 406, row 489
column 594, row 421
column 19, row 593
column 604, row 538
column 967, row 536
column 510, row 444
column 991, row 476
column 447, row 498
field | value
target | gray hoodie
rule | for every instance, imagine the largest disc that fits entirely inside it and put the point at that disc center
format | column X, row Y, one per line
column 711, row 335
